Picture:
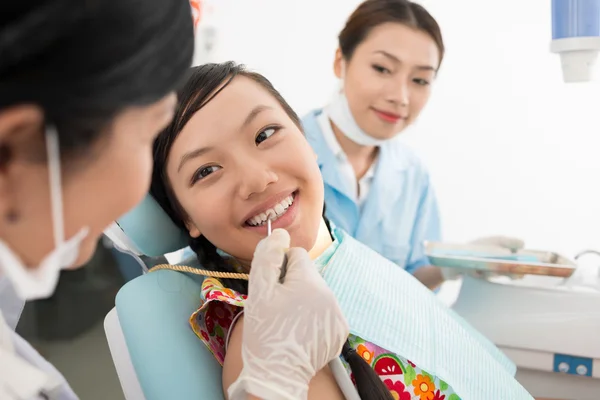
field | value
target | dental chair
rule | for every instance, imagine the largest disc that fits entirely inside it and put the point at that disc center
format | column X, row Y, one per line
column 156, row 354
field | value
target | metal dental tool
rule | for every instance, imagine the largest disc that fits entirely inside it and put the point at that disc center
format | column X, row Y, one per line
column 285, row 258
column 269, row 227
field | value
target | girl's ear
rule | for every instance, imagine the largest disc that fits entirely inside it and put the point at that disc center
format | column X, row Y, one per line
column 192, row 229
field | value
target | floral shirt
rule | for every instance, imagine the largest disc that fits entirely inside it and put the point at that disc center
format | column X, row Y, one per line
column 406, row 381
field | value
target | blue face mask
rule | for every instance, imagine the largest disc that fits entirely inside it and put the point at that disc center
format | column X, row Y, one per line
column 339, row 113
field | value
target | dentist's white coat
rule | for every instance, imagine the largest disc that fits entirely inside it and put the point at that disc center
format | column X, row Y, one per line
column 24, row 373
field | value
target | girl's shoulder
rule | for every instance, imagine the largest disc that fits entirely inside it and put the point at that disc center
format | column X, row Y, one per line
column 216, row 316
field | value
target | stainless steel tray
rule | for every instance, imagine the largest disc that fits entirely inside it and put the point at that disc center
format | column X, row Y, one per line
column 498, row 259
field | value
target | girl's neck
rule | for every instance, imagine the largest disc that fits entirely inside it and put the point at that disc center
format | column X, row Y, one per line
column 323, row 241
column 321, row 244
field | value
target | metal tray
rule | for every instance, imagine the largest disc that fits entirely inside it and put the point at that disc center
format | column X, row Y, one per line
column 498, row 259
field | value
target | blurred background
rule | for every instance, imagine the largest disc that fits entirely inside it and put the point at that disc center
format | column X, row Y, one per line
column 511, row 148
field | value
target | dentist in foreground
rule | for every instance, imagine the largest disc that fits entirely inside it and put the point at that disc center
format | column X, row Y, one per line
column 84, row 89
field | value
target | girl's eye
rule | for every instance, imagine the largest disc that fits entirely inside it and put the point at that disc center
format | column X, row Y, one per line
column 204, row 172
column 265, row 134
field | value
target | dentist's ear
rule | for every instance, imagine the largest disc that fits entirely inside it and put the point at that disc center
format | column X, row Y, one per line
column 339, row 64
column 21, row 140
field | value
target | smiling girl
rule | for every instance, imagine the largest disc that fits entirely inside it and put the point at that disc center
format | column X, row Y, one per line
column 235, row 155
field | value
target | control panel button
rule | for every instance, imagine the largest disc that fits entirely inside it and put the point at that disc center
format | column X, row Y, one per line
column 563, row 367
column 581, row 370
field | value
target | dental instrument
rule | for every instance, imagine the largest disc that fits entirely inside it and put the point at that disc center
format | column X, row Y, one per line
column 285, row 258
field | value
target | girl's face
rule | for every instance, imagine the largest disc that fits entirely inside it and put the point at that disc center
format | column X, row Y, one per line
column 387, row 81
column 239, row 159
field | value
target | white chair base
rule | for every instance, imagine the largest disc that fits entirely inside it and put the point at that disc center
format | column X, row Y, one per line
column 120, row 355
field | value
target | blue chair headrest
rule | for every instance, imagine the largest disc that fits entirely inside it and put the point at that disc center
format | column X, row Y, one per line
column 151, row 230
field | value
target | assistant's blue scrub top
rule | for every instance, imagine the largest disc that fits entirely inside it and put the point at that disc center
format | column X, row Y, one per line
column 400, row 211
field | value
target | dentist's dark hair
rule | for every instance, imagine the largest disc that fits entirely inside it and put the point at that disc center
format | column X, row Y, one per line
column 84, row 61
column 372, row 13
column 203, row 84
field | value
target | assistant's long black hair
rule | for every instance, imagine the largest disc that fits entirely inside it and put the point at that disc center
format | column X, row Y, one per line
column 203, row 84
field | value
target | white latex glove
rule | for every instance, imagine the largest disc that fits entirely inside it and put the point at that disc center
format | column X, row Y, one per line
column 291, row 330
column 513, row 244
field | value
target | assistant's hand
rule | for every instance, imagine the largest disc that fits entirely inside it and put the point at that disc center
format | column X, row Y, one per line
column 291, row 329
column 507, row 242
column 510, row 243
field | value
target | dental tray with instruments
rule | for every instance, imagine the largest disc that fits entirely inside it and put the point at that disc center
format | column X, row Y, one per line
column 498, row 259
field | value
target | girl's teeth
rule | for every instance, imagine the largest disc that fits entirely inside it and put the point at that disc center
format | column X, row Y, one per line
column 273, row 213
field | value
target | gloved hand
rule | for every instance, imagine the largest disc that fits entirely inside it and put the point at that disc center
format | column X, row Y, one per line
column 291, row 329
column 513, row 244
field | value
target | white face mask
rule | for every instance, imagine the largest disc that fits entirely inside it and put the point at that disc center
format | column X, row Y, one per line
column 39, row 282
column 339, row 113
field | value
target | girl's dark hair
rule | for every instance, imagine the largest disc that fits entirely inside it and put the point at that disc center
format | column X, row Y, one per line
column 82, row 62
column 203, row 84
column 373, row 13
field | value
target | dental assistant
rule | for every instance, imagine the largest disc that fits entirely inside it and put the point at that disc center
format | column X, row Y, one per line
column 376, row 188
column 85, row 87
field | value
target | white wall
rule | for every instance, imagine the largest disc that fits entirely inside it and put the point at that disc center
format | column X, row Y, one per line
column 511, row 148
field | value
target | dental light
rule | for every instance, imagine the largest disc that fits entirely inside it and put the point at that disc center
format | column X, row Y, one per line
column 576, row 38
